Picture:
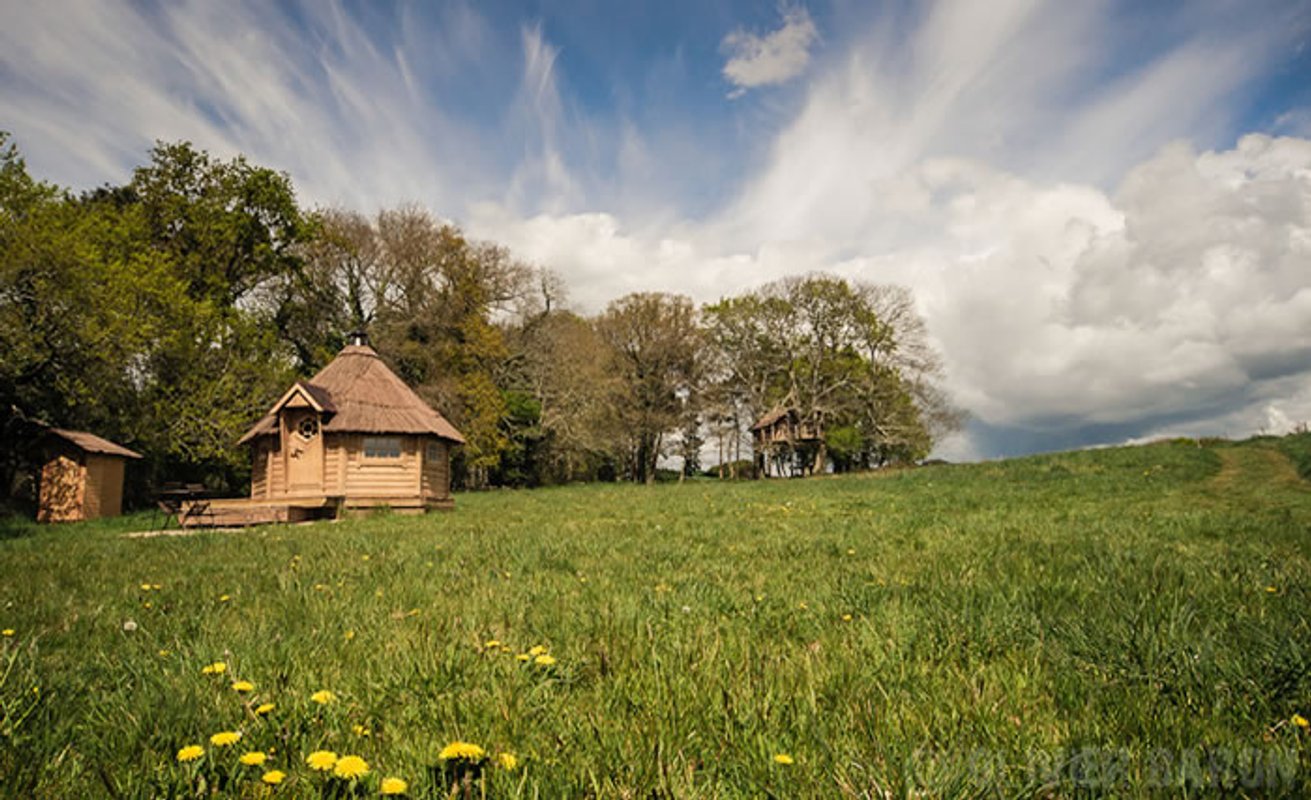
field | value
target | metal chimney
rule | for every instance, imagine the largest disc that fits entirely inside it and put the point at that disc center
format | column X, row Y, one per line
column 359, row 338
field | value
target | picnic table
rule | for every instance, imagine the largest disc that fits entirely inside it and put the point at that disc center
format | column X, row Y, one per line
column 182, row 502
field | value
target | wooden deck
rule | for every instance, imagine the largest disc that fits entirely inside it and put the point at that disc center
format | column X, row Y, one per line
column 240, row 512
column 243, row 511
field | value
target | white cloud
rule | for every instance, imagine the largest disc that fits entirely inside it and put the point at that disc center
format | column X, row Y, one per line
column 774, row 58
column 1075, row 273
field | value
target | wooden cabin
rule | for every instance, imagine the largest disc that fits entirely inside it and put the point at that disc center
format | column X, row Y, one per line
column 81, row 477
column 353, row 436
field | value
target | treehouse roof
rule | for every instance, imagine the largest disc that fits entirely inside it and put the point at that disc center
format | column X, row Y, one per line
column 358, row 393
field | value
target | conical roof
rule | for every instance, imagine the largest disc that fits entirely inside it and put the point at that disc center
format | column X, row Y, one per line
column 365, row 397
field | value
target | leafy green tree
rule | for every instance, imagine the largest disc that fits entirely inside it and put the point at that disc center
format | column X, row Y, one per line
column 655, row 343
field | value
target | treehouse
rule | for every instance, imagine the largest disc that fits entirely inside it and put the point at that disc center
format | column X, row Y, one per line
column 352, row 437
column 778, row 435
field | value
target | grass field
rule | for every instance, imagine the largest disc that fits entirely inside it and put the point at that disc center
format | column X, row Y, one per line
column 1128, row 620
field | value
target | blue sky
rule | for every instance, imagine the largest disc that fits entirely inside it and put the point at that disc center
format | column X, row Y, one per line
column 1104, row 209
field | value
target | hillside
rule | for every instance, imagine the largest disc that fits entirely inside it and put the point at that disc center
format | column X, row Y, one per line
column 1132, row 617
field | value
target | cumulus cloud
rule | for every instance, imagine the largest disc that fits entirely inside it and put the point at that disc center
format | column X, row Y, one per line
column 1095, row 256
column 776, row 57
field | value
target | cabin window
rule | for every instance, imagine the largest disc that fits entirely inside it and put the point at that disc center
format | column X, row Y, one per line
column 382, row 447
column 434, row 451
column 307, row 428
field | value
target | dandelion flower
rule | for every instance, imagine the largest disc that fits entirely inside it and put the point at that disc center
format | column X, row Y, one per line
column 156, row 586
column 492, row 644
column 223, row 598
column 243, row 686
column 1301, row 721
column 254, row 758
column 164, row 653
column 360, row 730
column 783, row 758
column 545, row 660
column 508, row 761
column 350, row 767
column 537, row 650
column 851, row 551
column 7, row 632
column 1271, row 589
column 225, row 738
column 264, row 708
column 321, row 760
column 145, row 587
column 523, row 657
column 391, row 786
column 348, row 635
column 323, row 697
column 217, row 668
column 846, row 618
column 191, row 752
column 273, row 777
column 462, row 751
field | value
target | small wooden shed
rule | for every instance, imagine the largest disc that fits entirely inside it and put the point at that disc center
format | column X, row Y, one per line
column 352, row 436
column 82, row 477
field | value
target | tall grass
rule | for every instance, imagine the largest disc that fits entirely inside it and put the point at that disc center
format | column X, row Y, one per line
column 1129, row 620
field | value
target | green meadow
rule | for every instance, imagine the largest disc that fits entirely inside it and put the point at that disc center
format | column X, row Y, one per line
column 1129, row 621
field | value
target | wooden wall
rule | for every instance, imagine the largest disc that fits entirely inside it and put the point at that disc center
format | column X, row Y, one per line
column 410, row 479
column 435, row 481
column 104, row 486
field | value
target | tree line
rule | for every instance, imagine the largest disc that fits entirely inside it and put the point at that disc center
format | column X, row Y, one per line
column 169, row 312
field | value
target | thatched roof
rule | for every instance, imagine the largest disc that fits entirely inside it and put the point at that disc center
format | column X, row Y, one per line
column 357, row 393
column 92, row 443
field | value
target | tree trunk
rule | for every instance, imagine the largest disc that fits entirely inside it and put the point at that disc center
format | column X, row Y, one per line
column 820, row 453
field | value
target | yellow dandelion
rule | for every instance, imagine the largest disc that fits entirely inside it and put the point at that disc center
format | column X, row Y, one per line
column 243, row 686
column 145, row 587
column 264, row 708
column 156, row 586
column 523, row 657
column 321, row 760
column 1271, row 589
column 851, row 551
column 783, row 758
column 492, row 644
column 545, row 660
column 273, row 777
column 348, row 635
column 191, row 752
column 392, row 786
column 225, row 738
column 1301, row 721
column 7, row 632
column 254, row 758
column 217, row 668
column 223, row 598
column 462, row 751
column 364, row 557
column 164, row 653
column 536, row 650
column 508, row 761
column 350, row 767
column 802, row 605
column 846, row 618
column 360, row 730
column 148, row 604
column 323, row 697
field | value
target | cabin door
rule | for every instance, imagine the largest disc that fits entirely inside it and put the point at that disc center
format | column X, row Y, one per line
column 304, row 449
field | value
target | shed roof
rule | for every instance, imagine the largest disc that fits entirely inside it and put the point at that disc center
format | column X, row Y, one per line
column 359, row 394
column 93, row 444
